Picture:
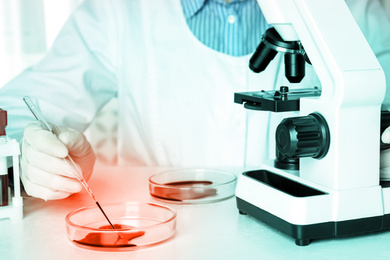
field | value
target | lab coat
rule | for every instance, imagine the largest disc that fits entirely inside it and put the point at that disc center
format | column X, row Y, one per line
column 175, row 94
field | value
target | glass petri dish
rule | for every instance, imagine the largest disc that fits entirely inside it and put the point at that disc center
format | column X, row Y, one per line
column 137, row 225
column 192, row 186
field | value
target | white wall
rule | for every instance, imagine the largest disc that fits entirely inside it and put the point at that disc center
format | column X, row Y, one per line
column 27, row 30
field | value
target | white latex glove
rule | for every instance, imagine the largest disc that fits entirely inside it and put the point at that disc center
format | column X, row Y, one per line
column 385, row 157
column 43, row 172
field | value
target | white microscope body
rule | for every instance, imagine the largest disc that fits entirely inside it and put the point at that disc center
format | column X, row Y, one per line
column 339, row 192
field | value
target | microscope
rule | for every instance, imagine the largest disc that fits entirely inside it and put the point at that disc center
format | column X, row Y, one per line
column 324, row 181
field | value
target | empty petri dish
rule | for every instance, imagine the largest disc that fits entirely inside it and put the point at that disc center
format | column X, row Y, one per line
column 192, row 186
column 137, row 225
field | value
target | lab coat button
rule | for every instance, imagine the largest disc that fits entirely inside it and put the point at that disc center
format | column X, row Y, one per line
column 231, row 19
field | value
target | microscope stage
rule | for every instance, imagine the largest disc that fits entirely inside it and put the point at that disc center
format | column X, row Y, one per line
column 282, row 100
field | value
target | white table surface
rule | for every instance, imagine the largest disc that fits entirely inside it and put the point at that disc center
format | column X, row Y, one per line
column 211, row 231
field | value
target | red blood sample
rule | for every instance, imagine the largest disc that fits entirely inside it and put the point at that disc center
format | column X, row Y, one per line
column 188, row 183
column 3, row 121
column 4, row 190
column 184, row 194
column 3, row 175
column 111, row 239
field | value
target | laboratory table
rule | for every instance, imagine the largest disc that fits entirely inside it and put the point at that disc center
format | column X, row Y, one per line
column 211, row 231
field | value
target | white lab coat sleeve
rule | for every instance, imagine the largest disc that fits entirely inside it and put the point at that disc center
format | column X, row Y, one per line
column 76, row 77
column 375, row 25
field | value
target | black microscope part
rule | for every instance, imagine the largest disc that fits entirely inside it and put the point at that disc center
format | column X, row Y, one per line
column 282, row 100
column 270, row 45
column 385, row 123
column 261, row 58
column 294, row 67
column 303, row 136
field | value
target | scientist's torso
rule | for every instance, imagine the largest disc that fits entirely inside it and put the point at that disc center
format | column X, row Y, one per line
column 176, row 95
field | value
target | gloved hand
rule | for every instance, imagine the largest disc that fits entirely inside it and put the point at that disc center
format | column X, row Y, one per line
column 385, row 157
column 43, row 172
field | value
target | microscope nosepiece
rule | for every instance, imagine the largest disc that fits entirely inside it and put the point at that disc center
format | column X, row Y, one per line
column 294, row 55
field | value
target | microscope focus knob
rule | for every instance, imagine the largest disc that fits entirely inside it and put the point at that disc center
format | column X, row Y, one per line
column 306, row 136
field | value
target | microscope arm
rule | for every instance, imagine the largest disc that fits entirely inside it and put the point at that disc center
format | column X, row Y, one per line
column 352, row 88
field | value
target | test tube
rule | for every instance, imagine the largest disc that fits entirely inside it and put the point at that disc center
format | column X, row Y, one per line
column 3, row 161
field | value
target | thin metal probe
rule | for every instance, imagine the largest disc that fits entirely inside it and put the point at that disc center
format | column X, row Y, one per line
column 69, row 161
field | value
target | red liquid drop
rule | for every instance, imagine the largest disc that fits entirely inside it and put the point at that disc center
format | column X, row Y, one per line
column 111, row 239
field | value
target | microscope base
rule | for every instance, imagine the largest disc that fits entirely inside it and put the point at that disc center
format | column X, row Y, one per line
column 303, row 234
column 306, row 211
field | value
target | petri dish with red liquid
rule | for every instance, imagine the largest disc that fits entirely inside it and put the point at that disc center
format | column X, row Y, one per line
column 137, row 225
column 192, row 186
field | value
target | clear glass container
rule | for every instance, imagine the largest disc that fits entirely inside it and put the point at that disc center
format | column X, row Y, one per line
column 137, row 225
column 192, row 186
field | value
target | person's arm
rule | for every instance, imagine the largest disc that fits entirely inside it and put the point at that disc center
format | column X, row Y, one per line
column 72, row 82
column 76, row 77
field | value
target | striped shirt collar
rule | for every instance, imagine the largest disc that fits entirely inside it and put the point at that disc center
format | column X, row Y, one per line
column 192, row 7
